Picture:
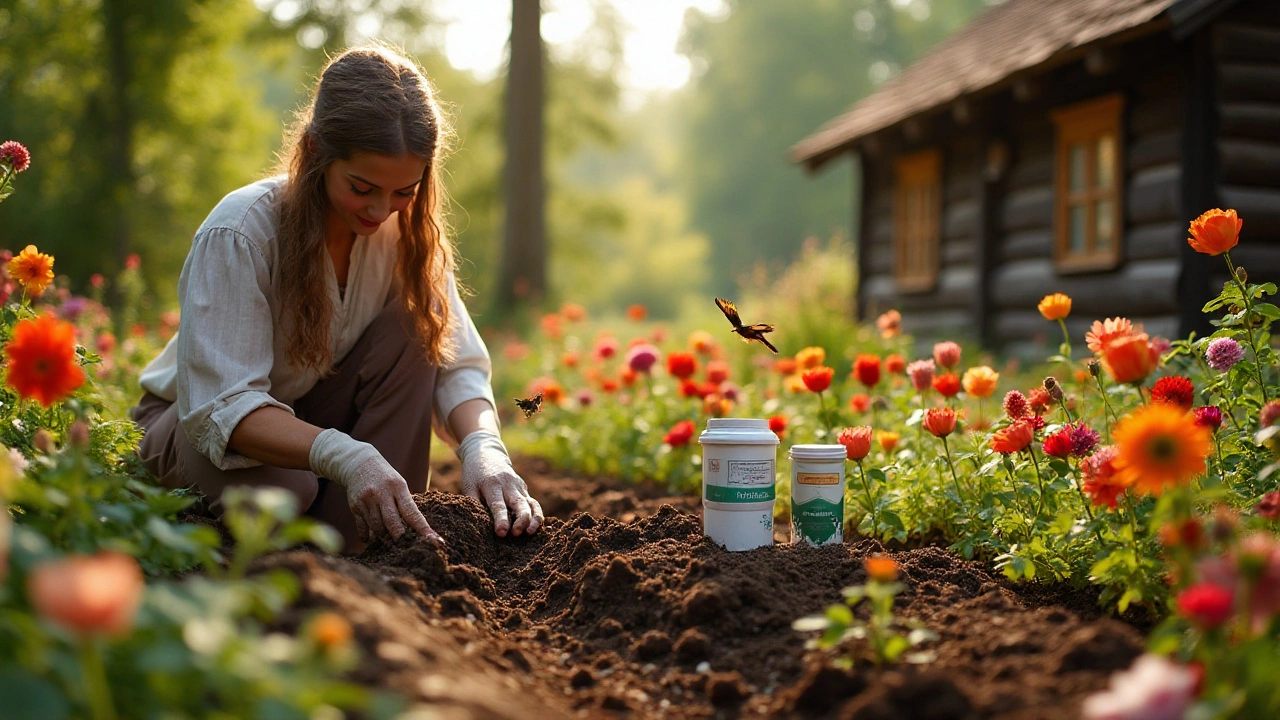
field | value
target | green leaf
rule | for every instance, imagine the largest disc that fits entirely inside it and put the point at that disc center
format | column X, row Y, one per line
column 840, row 615
column 28, row 697
column 894, row 648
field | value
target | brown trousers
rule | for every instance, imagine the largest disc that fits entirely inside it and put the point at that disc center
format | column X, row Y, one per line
column 381, row 393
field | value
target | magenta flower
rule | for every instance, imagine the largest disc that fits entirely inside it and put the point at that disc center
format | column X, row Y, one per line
column 642, row 357
column 1083, row 439
column 1223, row 354
column 1208, row 416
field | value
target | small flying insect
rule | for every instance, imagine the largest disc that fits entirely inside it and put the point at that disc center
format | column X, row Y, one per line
column 748, row 332
column 530, row 406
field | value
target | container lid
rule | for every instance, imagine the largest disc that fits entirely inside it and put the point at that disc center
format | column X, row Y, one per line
column 829, row 453
column 738, row 431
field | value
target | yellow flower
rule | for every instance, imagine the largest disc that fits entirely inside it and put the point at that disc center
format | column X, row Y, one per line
column 888, row 440
column 1159, row 445
column 794, row 383
column 811, row 357
column 1055, row 306
column 33, row 269
column 980, row 381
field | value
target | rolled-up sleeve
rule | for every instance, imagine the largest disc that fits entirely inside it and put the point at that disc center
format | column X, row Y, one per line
column 224, row 343
column 468, row 376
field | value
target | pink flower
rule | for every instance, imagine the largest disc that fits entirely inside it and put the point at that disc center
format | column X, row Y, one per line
column 16, row 155
column 1269, row 506
column 1223, row 354
column 947, row 354
column 921, row 373
column 642, row 357
column 1154, row 688
column 1208, row 416
column 1015, row 404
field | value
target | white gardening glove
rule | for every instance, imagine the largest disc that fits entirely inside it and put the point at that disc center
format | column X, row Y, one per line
column 379, row 497
column 487, row 476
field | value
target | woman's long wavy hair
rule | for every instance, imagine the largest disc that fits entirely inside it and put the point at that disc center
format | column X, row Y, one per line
column 373, row 100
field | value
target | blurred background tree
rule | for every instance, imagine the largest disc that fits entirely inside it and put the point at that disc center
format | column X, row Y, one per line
column 142, row 114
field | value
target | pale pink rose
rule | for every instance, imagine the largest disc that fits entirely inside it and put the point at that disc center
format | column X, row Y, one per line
column 1154, row 688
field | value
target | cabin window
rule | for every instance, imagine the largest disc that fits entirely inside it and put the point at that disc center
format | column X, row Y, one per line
column 1088, row 220
column 917, row 208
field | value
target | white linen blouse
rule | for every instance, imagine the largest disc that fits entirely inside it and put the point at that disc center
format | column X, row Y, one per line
column 229, row 357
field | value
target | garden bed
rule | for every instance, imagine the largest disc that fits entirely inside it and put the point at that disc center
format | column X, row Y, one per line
column 621, row 606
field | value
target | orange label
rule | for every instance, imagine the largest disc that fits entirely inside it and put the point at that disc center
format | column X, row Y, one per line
column 818, row 478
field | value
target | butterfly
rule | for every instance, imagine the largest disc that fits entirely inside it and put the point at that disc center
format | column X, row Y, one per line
column 530, row 406
column 748, row 332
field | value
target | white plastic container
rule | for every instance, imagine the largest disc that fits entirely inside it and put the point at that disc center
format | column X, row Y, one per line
column 739, row 463
column 817, row 494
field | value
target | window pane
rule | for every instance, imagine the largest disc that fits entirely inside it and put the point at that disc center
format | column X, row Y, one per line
column 1075, row 229
column 1075, row 171
column 1105, row 226
column 1106, row 164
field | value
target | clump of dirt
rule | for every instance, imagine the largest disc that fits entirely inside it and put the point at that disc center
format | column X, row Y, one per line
column 595, row 615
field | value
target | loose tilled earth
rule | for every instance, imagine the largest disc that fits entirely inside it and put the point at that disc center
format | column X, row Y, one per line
column 620, row 607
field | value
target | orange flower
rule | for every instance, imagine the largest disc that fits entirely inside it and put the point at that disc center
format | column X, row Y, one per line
column 1129, row 359
column 856, row 441
column 941, row 422
column 794, row 383
column 888, row 440
column 1055, row 306
column 947, row 384
column 1215, row 232
column 717, row 371
column 786, row 366
column 1014, row 438
column 980, row 381
column 552, row 391
column 569, row 359
column 609, row 385
column 628, row 376
column 331, row 631
column 33, row 269
column 818, row 379
column 637, row 313
column 1104, row 332
column 701, row 342
column 1102, row 484
column 573, row 312
column 881, row 569
column 894, row 363
column 717, row 405
column 810, row 358
column 859, row 402
column 1159, row 445
column 42, row 360
column 551, row 326
column 88, row 595
column 889, row 324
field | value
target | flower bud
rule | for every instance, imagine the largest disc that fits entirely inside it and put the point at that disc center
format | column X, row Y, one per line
column 78, row 435
column 1052, row 387
column 1095, row 368
column 42, row 441
column 1242, row 275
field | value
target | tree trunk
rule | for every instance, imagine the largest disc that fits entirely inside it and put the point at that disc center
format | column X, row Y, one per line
column 119, row 170
column 524, row 251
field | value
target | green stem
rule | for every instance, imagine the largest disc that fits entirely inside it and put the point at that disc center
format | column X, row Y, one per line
column 97, row 691
column 1040, row 479
column 1106, row 408
column 871, row 503
column 1088, row 511
column 1066, row 340
column 1248, row 326
column 1063, row 403
column 1013, row 483
column 947, row 449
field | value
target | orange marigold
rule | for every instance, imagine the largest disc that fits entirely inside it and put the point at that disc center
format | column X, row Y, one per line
column 818, row 379
column 33, row 269
column 888, row 440
column 980, row 382
column 894, row 363
column 947, row 384
column 890, row 324
column 810, row 358
column 881, row 569
column 637, row 312
column 1215, row 232
column 1129, row 359
column 1159, row 445
column 856, row 441
column 1014, row 438
column 1055, row 306
column 88, row 595
column 941, row 422
column 1106, row 331
column 42, row 360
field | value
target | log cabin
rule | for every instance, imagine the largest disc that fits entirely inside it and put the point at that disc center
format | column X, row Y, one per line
column 1064, row 146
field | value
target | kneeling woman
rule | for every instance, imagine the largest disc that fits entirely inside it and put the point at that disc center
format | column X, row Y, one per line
column 322, row 327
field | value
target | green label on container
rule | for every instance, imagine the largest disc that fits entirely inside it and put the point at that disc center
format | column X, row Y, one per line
column 720, row 493
column 818, row 521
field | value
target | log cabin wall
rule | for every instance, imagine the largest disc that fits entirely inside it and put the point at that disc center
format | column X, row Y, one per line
column 1245, row 44
column 1150, row 73
column 947, row 308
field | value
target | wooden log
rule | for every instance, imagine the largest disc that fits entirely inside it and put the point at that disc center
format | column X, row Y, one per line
column 1141, row 287
column 958, row 219
column 956, row 286
column 1155, row 149
column 881, row 229
column 1259, row 121
column 1031, row 170
column 1152, row 195
column 1156, row 114
column 1026, row 208
column 1037, row 243
column 877, row 259
column 957, row 252
column 1239, row 82
column 1249, row 162
column 1238, row 41
column 1262, row 262
column 1155, row 240
column 1259, row 207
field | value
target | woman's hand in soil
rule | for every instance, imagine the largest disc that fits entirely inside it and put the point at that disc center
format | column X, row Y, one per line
column 378, row 495
column 487, row 476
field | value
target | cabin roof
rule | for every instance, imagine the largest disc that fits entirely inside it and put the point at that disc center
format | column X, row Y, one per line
column 1015, row 39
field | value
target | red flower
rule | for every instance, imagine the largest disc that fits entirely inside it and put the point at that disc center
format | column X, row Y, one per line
column 1207, row 606
column 1269, row 506
column 637, row 312
column 1014, row 438
column 680, row 434
column 1102, row 484
column 16, row 155
column 1188, row 533
column 1209, row 416
column 778, row 424
column 606, row 347
column 688, row 389
column 860, row 403
column 941, row 422
column 1039, row 401
column 42, row 360
column 895, row 364
column 856, row 441
column 717, row 371
column 1058, row 444
column 1015, row 404
column 867, row 369
column 682, row 364
column 818, row 379
column 1174, row 390
column 947, row 384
